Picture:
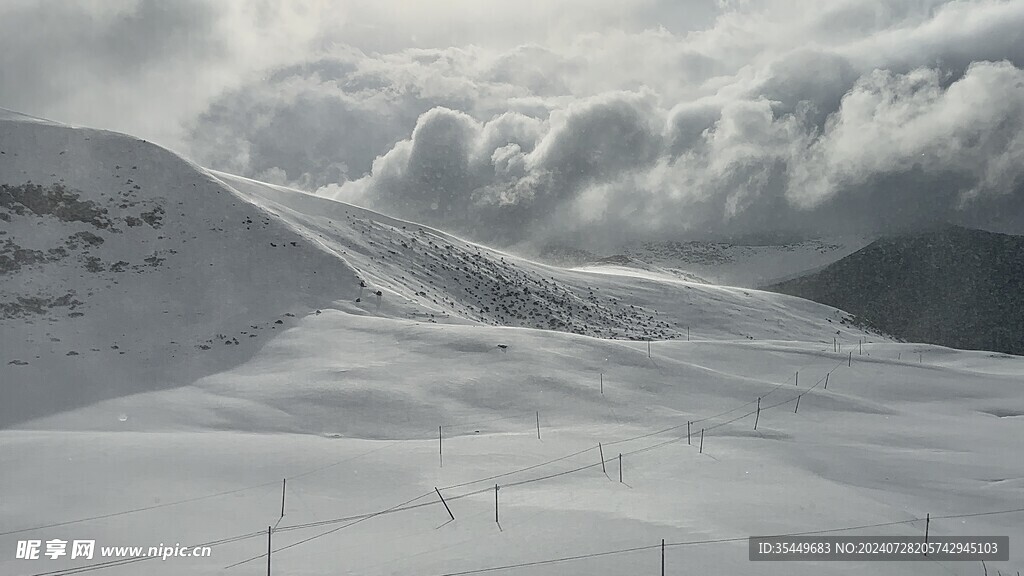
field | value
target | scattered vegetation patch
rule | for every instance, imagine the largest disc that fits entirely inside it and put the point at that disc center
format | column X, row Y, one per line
column 54, row 200
column 154, row 260
column 37, row 305
column 86, row 238
column 93, row 264
column 13, row 257
column 154, row 217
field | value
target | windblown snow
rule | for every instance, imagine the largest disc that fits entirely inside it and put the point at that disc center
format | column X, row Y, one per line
column 176, row 341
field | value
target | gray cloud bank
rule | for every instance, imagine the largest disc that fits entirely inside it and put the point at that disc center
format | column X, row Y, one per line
column 788, row 116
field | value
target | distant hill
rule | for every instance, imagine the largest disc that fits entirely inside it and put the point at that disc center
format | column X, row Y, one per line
column 952, row 286
column 750, row 261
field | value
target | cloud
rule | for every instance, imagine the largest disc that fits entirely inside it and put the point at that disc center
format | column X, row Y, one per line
column 858, row 134
column 895, row 123
column 143, row 66
column 580, row 123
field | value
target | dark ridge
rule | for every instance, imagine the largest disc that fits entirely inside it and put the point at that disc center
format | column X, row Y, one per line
column 951, row 286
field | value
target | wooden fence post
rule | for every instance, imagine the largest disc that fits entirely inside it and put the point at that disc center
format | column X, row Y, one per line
column 284, row 484
column 445, row 503
column 662, row 557
column 758, row 416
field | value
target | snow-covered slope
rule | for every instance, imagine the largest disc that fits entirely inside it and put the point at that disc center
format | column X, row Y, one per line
column 740, row 263
column 124, row 263
column 131, row 269
column 753, row 265
column 227, row 335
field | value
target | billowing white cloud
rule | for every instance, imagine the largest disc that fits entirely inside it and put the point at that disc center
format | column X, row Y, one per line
column 572, row 122
column 897, row 123
column 855, row 115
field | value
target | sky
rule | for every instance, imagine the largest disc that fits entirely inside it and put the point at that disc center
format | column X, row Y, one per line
column 579, row 123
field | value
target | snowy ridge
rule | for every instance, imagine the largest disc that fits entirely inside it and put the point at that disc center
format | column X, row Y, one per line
column 131, row 269
column 747, row 264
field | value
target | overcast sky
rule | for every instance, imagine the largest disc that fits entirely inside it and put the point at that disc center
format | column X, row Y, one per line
column 585, row 122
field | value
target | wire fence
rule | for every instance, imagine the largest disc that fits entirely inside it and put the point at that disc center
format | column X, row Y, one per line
column 340, row 523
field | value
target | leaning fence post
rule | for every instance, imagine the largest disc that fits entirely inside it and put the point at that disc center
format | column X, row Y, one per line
column 826, row 380
column 538, row 425
column 701, row 441
column 797, row 403
column 758, row 416
column 601, row 451
column 445, row 503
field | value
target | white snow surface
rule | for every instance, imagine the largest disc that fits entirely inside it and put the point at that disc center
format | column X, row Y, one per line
column 751, row 265
column 229, row 351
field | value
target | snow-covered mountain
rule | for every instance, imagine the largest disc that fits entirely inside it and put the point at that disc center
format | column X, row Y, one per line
column 127, row 268
column 176, row 341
